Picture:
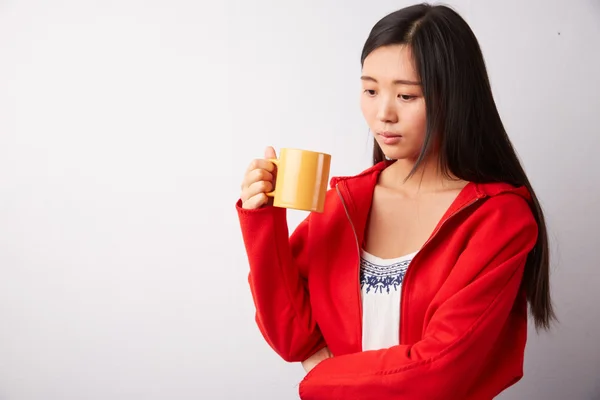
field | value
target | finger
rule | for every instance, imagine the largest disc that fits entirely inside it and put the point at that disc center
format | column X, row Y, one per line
column 255, row 201
column 270, row 153
column 261, row 164
column 258, row 188
column 256, row 176
column 306, row 366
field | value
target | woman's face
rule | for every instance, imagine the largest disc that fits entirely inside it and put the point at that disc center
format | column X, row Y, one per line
column 392, row 101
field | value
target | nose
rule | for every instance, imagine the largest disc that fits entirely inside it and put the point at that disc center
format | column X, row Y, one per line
column 387, row 110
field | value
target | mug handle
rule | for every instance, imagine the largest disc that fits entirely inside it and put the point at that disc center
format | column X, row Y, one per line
column 276, row 162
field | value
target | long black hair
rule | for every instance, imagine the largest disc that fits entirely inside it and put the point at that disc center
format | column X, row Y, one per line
column 462, row 119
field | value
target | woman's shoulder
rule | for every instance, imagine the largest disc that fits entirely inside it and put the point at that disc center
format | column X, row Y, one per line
column 504, row 204
column 494, row 189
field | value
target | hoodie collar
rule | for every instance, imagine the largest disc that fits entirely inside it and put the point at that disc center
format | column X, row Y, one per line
column 367, row 179
column 357, row 194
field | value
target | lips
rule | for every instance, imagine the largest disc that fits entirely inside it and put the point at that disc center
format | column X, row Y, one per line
column 390, row 135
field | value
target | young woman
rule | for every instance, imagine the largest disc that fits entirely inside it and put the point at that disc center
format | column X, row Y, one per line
column 414, row 281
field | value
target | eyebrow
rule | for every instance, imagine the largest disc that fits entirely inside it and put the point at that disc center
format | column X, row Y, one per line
column 396, row 82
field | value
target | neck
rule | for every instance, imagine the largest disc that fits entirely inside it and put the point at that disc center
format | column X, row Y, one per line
column 427, row 178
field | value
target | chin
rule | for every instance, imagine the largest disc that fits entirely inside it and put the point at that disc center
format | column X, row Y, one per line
column 398, row 152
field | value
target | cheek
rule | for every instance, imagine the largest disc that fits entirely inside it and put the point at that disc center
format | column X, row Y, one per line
column 417, row 120
column 367, row 106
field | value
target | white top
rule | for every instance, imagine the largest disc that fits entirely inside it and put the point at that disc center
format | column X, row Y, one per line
column 381, row 286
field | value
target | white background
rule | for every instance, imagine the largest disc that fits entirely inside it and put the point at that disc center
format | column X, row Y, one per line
column 126, row 126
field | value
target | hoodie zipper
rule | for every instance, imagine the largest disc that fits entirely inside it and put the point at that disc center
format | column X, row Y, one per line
column 360, row 310
column 408, row 269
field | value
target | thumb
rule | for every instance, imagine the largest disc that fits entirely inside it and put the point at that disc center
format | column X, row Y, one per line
column 270, row 153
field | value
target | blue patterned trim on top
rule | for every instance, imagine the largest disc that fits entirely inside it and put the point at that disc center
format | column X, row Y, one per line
column 380, row 278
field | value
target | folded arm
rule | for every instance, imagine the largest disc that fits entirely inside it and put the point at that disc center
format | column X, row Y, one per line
column 459, row 334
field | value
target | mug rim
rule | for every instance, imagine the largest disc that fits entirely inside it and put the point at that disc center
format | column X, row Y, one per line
column 303, row 150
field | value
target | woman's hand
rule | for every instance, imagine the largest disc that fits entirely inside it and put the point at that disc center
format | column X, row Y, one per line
column 316, row 358
column 258, row 181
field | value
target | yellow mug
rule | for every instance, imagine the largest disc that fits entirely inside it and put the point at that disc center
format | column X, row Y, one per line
column 302, row 178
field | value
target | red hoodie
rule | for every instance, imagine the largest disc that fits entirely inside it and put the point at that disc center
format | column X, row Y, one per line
column 463, row 311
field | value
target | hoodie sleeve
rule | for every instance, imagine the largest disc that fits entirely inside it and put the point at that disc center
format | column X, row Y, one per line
column 460, row 333
column 278, row 268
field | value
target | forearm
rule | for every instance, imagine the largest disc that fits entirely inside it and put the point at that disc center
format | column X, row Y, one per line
column 279, row 290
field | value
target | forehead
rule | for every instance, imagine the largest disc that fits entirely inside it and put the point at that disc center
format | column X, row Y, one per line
column 390, row 63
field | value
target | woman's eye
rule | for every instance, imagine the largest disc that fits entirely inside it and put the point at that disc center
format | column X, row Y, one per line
column 406, row 97
column 370, row 92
